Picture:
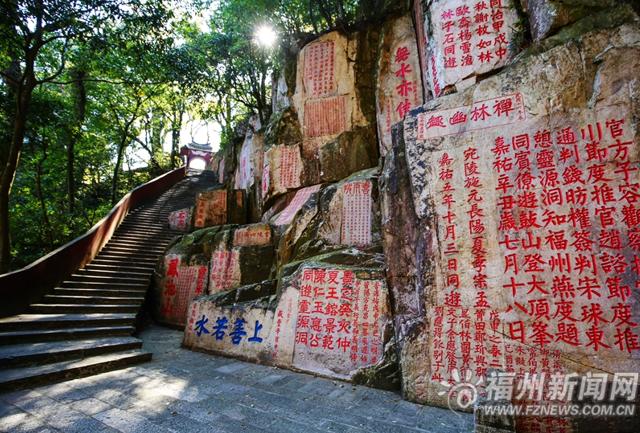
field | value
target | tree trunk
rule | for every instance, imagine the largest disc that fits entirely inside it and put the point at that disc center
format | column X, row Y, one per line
column 176, row 127
column 116, row 170
column 80, row 98
column 40, row 195
column 23, row 101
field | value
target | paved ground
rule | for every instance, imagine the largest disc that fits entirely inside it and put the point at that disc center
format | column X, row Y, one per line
column 182, row 391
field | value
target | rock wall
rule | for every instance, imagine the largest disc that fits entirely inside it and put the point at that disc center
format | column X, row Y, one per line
column 493, row 206
column 493, row 230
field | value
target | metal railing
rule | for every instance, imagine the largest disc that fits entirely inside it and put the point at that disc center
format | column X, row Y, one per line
column 29, row 284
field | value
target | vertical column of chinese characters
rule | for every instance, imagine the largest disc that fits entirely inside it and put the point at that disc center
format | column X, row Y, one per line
column 356, row 226
column 448, row 26
column 406, row 86
column 200, row 212
column 232, row 278
column 376, row 341
column 192, row 316
column 304, row 308
column 477, row 229
column 515, row 189
column 313, row 69
column 185, row 284
column 347, row 213
column 488, row 344
column 452, row 349
column 169, row 293
column 500, row 41
column 285, row 167
column 348, row 277
column 363, row 308
column 614, row 189
column 465, row 339
column 449, row 219
column 276, row 338
column 437, row 357
column 202, row 277
column 265, row 178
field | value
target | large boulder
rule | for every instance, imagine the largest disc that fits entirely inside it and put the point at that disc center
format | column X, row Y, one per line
column 466, row 40
column 328, row 131
column 330, row 320
column 524, row 220
column 210, row 261
column 399, row 86
column 548, row 16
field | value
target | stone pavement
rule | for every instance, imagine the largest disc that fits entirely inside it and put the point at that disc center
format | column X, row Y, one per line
column 183, row 391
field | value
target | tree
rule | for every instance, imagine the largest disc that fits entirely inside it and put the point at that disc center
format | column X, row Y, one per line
column 30, row 28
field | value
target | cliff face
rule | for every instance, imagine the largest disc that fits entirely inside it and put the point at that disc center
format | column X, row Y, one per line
column 453, row 191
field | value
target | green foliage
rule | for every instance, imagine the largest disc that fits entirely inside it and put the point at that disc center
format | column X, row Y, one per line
column 114, row 79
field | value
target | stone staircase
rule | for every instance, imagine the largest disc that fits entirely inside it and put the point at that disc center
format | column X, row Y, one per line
column 86, row 325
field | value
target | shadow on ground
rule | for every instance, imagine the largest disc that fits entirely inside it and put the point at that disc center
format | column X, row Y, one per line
column 183, row 391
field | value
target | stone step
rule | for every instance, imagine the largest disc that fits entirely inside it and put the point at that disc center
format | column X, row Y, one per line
column 139, row 237
column 120, row 267
column 142, row 240
column 40, row 335
column 145, row 220
column 18, row 378
column 139, row 240
column 24, row 322
column 83, row 308
column 115, row 277
column 93, row 300
column 135, row 252
column 136, row 285
column 126, row 258
column 145, row 230
column 55, row 351
column 98, row 292
column 141, row 234
column 106, row 272
column 144, row 226
column 135, row 249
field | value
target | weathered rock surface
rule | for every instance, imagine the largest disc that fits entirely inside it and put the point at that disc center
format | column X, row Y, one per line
column 328, row 131
column 467, row 39
column 511, row 232
column 547, row 16
column 500, row 231
column 330, row 320
column 181, row 219
column 211, row 260
column 399, row 86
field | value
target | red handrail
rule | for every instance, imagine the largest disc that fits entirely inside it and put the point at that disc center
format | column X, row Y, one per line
column 29, row 284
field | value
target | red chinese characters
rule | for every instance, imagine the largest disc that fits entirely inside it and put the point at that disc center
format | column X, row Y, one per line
column 256, row 234
column 356, row 213
column 290, row 166
column 339, row 313
column 470, row 37
column 406, row 89
column 225, row 270
column 319, row 68
column 211, row 208
column 567, row 201
column 464, row 340
column 327, row 116
column 301, row 197
column 182, row 284
column 180, row 219
column 481, row 115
